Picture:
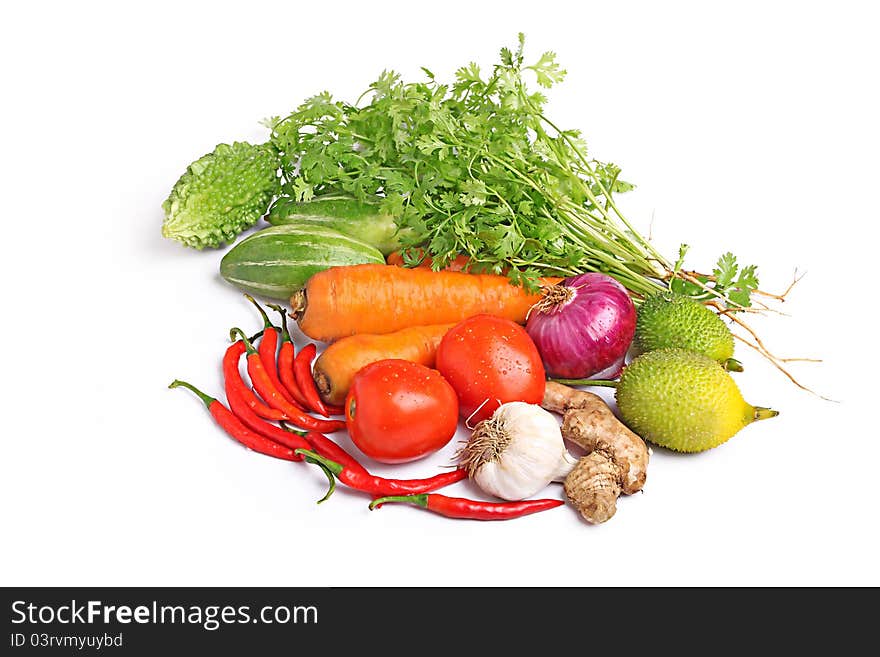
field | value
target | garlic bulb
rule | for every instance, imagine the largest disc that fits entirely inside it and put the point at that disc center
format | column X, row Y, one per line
column 516, row 452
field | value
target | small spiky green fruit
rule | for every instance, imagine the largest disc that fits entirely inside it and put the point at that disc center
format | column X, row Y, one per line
column 221, row 194
column 683, row 400
column 667, row 320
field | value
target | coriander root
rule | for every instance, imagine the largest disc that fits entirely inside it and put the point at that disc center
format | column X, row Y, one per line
column 617, row 459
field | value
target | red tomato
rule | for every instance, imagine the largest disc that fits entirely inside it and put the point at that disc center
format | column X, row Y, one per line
column 398, row 411
column 489, row 361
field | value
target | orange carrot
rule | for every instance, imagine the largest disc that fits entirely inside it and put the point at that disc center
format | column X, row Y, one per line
column 338, row 363
column 343, row 301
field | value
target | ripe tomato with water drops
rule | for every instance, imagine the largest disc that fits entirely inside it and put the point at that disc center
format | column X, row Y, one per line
column 490, row 361
column 398, row 411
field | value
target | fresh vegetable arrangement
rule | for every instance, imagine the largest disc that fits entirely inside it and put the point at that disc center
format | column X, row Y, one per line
column 456, row 260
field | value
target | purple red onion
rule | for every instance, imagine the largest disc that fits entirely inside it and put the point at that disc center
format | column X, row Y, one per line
column 583, row 327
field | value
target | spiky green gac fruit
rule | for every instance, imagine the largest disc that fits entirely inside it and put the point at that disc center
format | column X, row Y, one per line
column 221, row 194
column 667, row 320
column 683, row 400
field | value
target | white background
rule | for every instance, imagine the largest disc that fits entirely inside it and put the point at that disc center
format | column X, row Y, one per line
column 750, row 127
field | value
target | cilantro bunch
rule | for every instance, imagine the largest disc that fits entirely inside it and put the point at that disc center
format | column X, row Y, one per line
column 475, row 167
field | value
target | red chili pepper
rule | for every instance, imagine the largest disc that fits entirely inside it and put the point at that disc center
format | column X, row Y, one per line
column 331, row 409
column 286, row 354
column 255, row 423
column 233, row 378
column 302, row 372
column 267, row 390
column 331, row 450
column 268, row 349
column 459, row 507
column 236, row 428
column 356, row 476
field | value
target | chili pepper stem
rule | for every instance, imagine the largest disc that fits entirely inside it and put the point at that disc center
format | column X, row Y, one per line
column 330, row 478
column 285, row 333
column 235, row 331
column 266, row 323
column 418, row 500
column 207, row 399
column 329, row 467
column 317, row 459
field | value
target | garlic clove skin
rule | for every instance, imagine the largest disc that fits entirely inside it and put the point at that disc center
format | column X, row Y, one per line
column 517, row 452
column 566, row 465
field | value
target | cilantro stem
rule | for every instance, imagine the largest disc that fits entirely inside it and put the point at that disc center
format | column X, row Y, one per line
column 606, row 193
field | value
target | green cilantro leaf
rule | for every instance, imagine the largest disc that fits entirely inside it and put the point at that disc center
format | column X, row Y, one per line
column 725, row 270
column 682, row 252
column 748, row 278
column 474, row 166
column 740, row 297
column 548, row 70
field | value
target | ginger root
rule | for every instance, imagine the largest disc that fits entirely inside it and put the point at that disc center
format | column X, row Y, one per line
column 616, row 461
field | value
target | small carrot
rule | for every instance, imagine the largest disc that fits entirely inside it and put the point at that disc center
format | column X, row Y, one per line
column 286, row 356
column 302, row 372
column 267, row 390
column 339, row 362
column 267, row 349
column 377, row 299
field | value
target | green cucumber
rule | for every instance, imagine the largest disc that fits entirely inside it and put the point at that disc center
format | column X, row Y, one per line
column 341, row 212
column 275, row 262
